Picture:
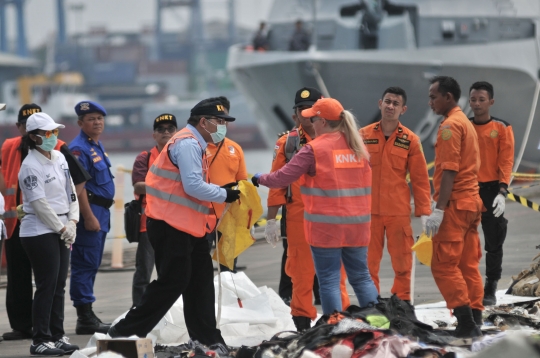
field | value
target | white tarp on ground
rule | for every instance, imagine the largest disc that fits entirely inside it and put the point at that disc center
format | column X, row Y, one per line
column 262, row 315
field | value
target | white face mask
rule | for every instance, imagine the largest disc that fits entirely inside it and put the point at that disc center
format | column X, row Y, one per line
column 219, row 135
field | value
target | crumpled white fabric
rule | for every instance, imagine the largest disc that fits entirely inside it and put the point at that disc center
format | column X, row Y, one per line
column 263, row 314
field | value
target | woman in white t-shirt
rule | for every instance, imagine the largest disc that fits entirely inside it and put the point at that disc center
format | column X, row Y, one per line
column 47, row 231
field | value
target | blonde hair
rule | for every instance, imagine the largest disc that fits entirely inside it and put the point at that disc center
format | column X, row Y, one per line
column 347, row 125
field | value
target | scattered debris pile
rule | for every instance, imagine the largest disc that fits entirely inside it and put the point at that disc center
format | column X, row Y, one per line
column 380, row 331
column 527, row 282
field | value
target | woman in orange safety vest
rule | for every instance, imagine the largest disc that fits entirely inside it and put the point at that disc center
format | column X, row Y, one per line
column 336, row 190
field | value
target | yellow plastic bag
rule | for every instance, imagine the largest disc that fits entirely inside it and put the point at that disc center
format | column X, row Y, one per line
column 424, row 249
column 236, row 225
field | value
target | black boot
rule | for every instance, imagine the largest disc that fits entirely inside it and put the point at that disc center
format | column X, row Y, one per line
column 302, row 323
column 477, row 316
column 87, row 322
column 490, row 288
column 466, row 327
column 96, row 317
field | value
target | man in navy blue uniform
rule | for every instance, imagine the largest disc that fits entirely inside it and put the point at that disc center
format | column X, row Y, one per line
column 95, row 200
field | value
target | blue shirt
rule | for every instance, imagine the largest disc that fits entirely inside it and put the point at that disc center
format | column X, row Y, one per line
column 187, row 154
column 94, row 159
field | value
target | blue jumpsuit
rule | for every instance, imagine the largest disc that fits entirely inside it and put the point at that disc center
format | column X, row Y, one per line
column 88, row 247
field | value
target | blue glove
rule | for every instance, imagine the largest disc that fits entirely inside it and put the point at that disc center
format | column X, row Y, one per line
column 255, row 179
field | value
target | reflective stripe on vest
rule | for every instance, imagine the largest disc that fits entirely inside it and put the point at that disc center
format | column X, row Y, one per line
column 178, row 200
column 165, row 173
column 10, row 191
column 167, row 200
column 327, row 219
column 337, row 199
column 10, row 214
column 335, row 193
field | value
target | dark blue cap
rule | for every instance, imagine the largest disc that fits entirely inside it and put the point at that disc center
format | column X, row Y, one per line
column 85, row 107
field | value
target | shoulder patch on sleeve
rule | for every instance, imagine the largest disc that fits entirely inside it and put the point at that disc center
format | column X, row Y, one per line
column 446, row 134
column 30, row 182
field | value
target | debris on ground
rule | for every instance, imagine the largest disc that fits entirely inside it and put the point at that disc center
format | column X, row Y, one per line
column 262, row 328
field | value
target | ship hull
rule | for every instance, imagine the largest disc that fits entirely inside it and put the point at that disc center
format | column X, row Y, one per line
column 358, row 78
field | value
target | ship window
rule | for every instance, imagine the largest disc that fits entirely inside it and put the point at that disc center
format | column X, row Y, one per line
column 448, row 28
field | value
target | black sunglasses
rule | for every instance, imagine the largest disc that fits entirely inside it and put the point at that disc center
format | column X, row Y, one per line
column 166, row 129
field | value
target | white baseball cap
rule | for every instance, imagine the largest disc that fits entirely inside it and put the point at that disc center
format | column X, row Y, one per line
column 42, row 121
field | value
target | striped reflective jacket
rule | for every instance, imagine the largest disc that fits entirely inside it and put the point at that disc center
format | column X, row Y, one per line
column 166, row 199
column 11, row 164
column 337, row 200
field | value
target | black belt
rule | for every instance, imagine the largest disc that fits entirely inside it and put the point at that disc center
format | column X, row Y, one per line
column 489, row 184
column 66, row 214
column 99, row 200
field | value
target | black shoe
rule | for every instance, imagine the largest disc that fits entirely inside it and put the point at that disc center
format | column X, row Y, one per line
column 477, row 316
column 302, row 323
column 466, row 327
column 490, row 289
column 63, row 344
column 87, row 321
column 113, row 333
column 15, row 335
column 45, row 349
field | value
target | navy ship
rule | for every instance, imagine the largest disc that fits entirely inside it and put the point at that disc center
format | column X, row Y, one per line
column 359, row 48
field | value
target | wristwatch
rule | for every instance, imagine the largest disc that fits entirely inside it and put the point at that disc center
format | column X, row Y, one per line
column 503, row 192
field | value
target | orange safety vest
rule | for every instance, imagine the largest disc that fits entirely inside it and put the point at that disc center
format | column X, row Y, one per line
column 337, row 200
column 152, row 157
column 166, row 199
column 11, row 164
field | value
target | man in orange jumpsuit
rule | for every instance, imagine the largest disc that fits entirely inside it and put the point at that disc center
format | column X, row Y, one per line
column 299, row 264
column 395, row 150
column 453, row 224
column 227, row 165
column 496, row 142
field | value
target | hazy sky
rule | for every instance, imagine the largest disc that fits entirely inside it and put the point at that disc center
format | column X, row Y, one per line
column 41, row 21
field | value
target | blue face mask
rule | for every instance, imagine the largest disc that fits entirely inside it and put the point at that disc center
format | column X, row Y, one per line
column 219, row 135
column 47, row 144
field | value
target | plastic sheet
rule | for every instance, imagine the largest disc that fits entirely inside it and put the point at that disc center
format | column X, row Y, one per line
column 263, row 315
